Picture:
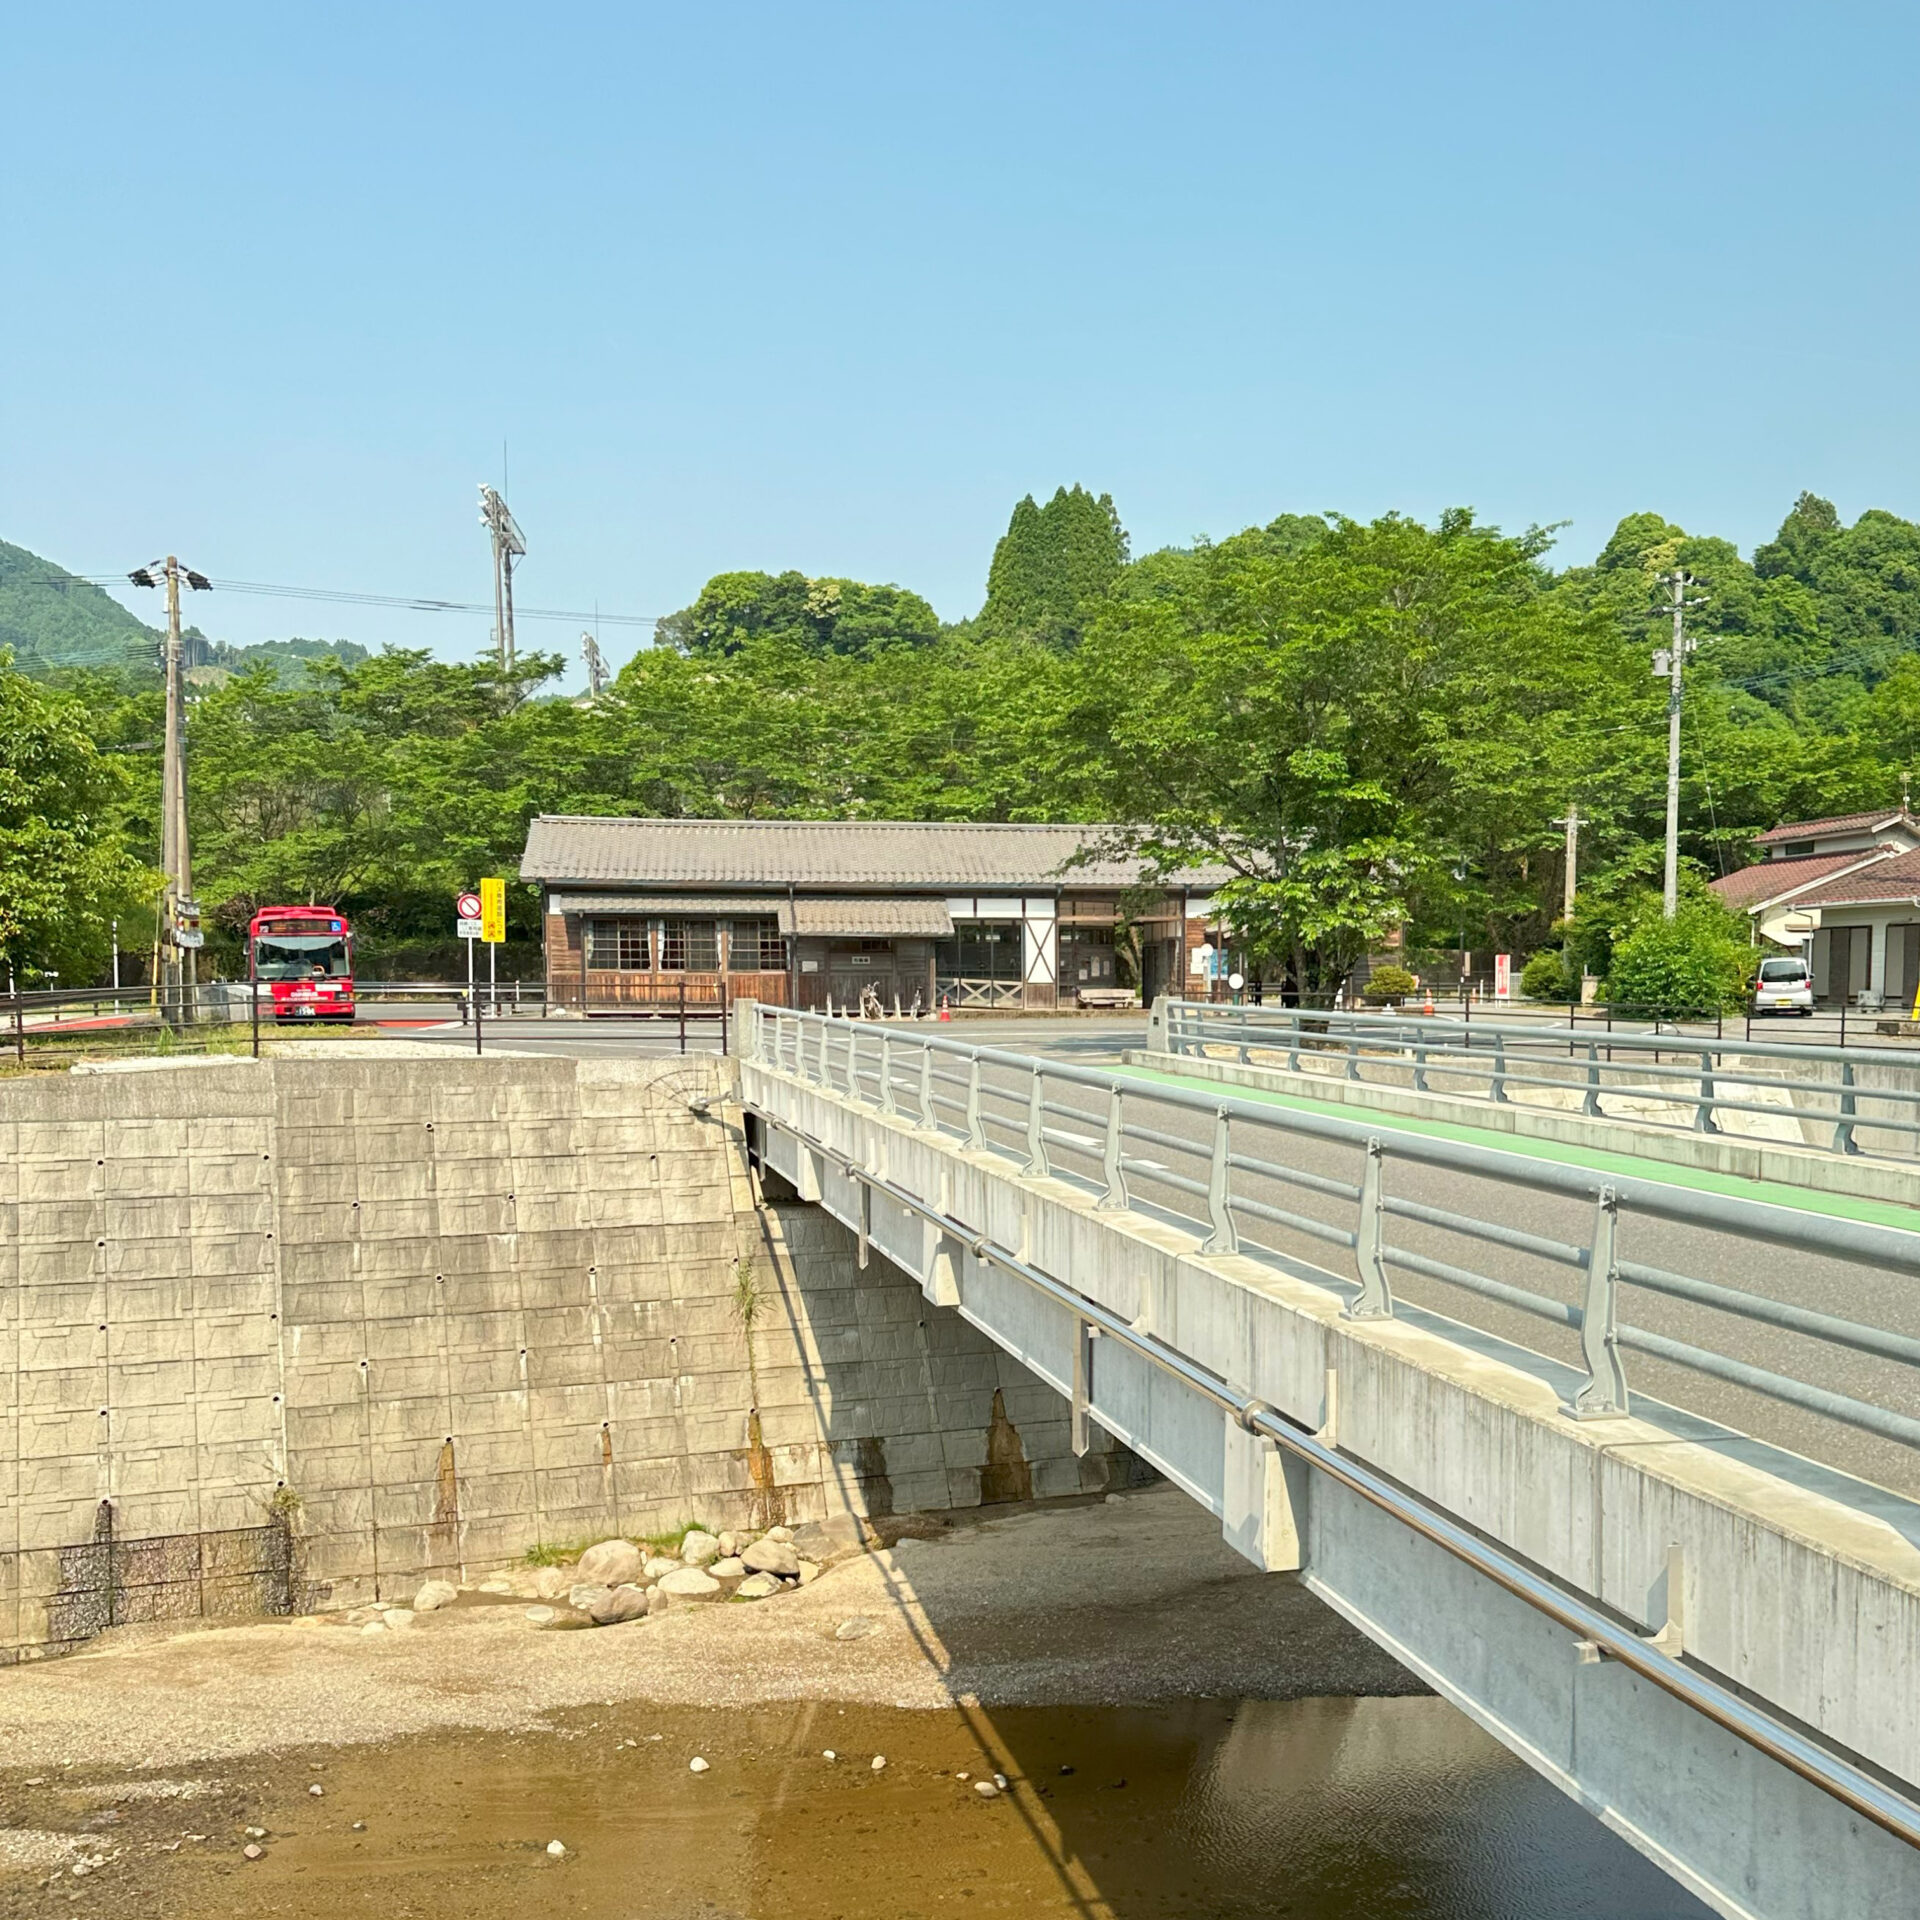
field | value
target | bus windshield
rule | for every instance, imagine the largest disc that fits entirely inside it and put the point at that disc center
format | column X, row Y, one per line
column 301, row 956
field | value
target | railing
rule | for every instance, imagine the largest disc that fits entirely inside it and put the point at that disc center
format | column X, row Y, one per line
column 56, row 1025
column 1239, row 1176
column 1692, row 1083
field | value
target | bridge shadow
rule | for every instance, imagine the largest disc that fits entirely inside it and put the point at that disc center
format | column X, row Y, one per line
column 1180, row 1734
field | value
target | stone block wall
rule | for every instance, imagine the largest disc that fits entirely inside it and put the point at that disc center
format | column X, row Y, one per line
column 291, row 1332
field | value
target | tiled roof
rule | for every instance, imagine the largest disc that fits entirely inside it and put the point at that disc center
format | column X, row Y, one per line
column 1771, row 878
column 1897, row 878
column 1838, row 823
column 913, row 918
column 895, row 854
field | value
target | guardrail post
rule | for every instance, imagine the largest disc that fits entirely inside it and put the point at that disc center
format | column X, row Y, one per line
column 1843, row 1141
column 1703, row 1120
column 1111, row 1168
column 927, row 1119
column 1590, row 1106
column 1419, row 1064
column 1225, row 1237
column 1604, row 1396
column 1497, row 1086
column 1036, row 1136
column 1293, row 1045
column 1375, row 1301
column 976, row 1133
column 1353, row 1055
column 20, row 1031
column 853, row 1062
column 886, row 1072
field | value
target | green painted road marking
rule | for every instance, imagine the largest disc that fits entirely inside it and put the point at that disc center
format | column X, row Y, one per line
column 1839, row 1206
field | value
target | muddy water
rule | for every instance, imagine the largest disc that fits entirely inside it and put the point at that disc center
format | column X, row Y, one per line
column 1309, row 1809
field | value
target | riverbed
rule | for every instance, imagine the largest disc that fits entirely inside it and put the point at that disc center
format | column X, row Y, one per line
column 1177, row 1736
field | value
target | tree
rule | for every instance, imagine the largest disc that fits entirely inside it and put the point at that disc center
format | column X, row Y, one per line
column 817, row 616
column 1696, row 964
column 1051, row 563
column 1340, row 725
column 64, row 870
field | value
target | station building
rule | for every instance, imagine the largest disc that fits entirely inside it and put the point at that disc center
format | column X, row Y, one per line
column 641, row 914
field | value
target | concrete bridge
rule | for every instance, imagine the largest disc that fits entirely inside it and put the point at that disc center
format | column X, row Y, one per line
column 1704, row 1637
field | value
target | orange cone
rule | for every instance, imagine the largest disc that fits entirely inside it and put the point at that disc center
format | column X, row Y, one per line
column 945, row 1013
column 1428, row 1007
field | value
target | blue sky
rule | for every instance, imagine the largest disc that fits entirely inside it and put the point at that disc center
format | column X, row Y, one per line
column 829, row 287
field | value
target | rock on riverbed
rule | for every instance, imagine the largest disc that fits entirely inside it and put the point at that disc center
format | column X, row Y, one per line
column 613, row 1563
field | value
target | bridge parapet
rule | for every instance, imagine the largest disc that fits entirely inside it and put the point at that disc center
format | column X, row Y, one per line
column 1612, row 1597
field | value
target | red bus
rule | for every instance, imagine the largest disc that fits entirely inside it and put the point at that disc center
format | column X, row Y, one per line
column 304, row 957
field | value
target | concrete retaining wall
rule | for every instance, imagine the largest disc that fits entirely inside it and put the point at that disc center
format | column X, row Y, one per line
column 281, row 1333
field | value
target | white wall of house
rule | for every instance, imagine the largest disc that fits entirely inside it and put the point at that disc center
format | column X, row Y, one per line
column 1884, row 964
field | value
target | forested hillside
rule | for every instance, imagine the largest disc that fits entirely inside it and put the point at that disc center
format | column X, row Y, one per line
column 51, row 620
column 1377, row 725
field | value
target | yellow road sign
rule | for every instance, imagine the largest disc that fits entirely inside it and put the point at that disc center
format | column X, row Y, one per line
column 493, row 911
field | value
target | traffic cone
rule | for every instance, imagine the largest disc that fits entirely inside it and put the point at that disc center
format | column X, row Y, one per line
column 1428, row 1006
column 946, row 1013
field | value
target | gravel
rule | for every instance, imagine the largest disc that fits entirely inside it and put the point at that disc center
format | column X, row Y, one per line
column 1104, row 1602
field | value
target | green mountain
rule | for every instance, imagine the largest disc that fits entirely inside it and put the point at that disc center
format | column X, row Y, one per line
column 52, row 620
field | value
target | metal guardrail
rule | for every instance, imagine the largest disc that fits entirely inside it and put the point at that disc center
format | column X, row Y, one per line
column 54, row 1023
column 1704, row 1079
column 1010, row 1103
column 833, row 1055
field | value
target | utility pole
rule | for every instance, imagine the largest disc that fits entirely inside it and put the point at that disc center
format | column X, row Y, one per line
column 509, row 544
column 1671, row 662
column 178, row 965
column 1570, row 886
column 596, row 665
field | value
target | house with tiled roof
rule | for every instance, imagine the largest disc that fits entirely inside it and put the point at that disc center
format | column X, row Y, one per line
column 640, row 914
column 1847, row 890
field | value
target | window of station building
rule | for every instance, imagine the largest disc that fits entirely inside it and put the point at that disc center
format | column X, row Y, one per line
column 620, row 945
column 689, row 946
column 756, row 946
column 980, row 950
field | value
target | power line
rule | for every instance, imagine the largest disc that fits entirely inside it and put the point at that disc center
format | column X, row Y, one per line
column 338, row 596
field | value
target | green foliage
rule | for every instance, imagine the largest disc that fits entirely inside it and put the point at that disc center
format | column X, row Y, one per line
column 294, row 662
column 1697, row 963
column 50, row 620
column 561, row 1553
column 810, row 616
column 64, row 872
column 1372, row 726
column 1547, row 976
column 1391, row 982
column 1051, row 563
column 674, row 1538
column 1343, row 724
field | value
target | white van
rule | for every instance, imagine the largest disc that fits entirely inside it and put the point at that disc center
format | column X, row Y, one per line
column 1784, row 986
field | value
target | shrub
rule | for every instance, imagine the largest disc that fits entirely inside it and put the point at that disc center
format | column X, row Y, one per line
column 1694, row 965
column 1547, row 976
column 1391, row 982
